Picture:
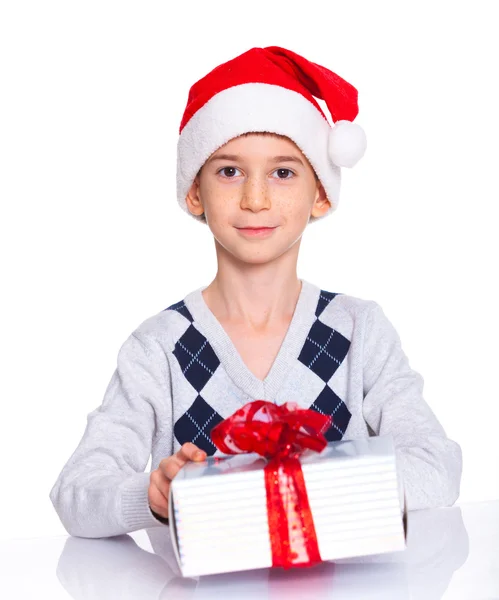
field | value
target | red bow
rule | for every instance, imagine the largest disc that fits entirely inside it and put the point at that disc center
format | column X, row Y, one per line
column 281, row 434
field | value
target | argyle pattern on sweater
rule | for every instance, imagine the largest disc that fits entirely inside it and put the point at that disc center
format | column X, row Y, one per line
column 323, row 351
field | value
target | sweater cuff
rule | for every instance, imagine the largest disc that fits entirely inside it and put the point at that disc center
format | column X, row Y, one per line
column 135, row 510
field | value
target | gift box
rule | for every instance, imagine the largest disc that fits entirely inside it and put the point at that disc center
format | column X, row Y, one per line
column 226, row 513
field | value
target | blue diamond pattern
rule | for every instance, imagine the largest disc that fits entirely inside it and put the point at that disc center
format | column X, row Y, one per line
column 324, row 350
column 329, row 403
column 324, row 299
column 195, row 425
column 182, row 309
column 196, row 357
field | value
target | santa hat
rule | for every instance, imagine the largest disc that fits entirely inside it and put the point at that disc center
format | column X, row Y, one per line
column 271, row 89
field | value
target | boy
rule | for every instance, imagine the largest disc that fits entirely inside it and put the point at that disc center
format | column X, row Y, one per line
column 257, row 162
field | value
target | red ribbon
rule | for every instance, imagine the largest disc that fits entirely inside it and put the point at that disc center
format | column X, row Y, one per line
column 280, row 434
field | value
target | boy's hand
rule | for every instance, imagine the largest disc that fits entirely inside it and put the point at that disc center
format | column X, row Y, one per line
column 161, row 477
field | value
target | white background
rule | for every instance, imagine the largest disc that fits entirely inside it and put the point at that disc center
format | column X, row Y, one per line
column 93, row 241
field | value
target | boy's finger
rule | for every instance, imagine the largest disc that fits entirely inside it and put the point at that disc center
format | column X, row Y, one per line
column 172, row 465
column 190, row 451
column 157, row 499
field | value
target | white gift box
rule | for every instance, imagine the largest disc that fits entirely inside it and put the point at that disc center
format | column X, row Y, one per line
column 218, row 508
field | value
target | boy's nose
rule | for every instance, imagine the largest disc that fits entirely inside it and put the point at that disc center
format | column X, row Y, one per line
column 255, row 196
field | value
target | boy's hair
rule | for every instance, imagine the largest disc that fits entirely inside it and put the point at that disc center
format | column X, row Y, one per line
column 268, row 133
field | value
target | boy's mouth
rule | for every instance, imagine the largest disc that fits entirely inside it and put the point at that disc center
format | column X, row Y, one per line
column 256, row 231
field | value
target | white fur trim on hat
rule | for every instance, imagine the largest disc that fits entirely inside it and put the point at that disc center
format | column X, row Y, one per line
column 263, row 107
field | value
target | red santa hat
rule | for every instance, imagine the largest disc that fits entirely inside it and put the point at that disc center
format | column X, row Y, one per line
column 271, row 89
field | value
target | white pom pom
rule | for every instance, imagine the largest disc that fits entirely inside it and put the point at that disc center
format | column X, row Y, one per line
column 346, row 144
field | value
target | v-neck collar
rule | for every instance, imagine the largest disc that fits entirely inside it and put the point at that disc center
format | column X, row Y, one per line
column 301, row 322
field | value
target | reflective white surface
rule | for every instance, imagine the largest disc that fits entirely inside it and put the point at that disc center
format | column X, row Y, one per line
column 451, row 553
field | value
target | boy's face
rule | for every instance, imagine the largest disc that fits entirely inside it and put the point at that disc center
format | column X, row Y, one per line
column 257, row 186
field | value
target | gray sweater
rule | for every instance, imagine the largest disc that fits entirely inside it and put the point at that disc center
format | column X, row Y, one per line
column 178, row 374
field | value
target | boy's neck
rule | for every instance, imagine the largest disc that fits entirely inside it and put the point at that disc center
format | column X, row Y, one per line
column 255, row 305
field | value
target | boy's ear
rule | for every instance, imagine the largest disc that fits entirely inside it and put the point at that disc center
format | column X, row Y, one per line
column 321, row 202
column 193, row 198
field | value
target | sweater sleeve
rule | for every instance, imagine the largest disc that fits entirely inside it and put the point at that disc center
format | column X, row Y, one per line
column 429, row 464
column 102, row 490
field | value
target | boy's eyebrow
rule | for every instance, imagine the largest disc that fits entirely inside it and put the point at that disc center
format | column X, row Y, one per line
column 276, row 159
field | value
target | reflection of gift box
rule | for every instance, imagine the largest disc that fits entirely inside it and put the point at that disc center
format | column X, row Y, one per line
column 219, row 509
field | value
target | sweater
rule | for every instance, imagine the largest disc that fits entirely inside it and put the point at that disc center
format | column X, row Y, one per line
column 178, row 374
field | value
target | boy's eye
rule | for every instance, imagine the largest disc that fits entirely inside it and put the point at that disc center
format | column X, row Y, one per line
column 225, row 169
column 280, row 171
column 286, row 171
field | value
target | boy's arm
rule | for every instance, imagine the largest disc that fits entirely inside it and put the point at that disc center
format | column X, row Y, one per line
column 102, row 490
column 429, row 464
